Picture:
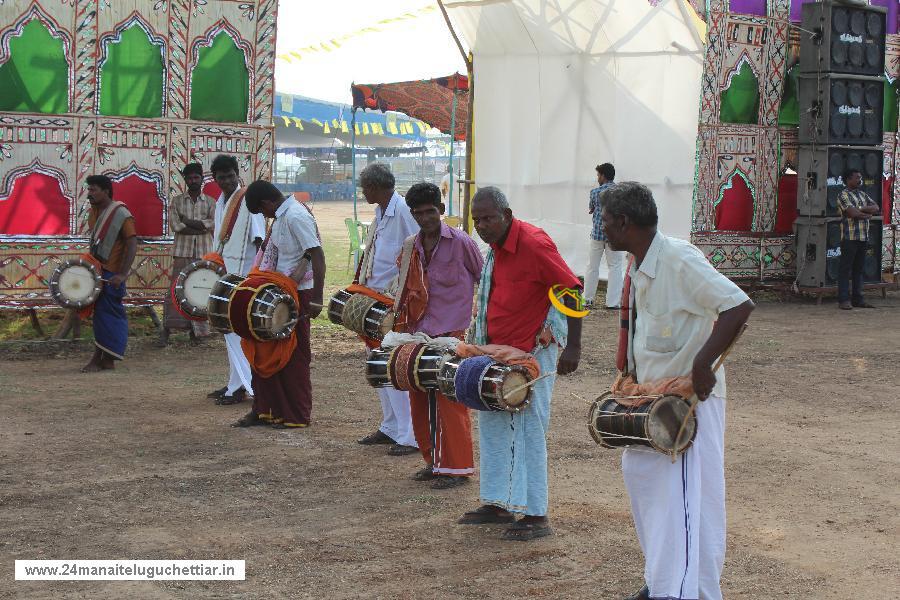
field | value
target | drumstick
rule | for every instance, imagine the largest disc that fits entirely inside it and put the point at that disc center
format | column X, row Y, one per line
column 529, row 384
column 694, row 400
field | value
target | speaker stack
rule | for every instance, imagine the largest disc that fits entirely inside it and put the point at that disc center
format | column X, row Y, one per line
column 842, row 51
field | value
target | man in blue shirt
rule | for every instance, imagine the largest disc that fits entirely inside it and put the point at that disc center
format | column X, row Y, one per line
column 606, row 175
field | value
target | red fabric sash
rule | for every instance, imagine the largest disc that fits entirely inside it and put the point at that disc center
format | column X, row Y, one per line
column 232, row 210
column 413, row 299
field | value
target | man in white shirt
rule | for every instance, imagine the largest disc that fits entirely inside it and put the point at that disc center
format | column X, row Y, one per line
column 236, row 237
column 685, row 315
column 379, row 271
column 292, row 248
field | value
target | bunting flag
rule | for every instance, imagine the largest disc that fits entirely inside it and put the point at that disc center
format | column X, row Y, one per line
column 429, row 100
column 330, row 45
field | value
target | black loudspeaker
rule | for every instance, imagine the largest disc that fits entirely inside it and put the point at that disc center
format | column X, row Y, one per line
column 819, row 252
column 841, row 109
column 344, row 156
column 821, row 172
column 846, row 39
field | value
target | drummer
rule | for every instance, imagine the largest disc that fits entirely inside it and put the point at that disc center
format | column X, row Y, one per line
column 284, row 399
column 378, row 270
column 685, row 313
column 238, row 235
column 114, row 244
column 191, row 219
column 514, row 309
column 436, row 299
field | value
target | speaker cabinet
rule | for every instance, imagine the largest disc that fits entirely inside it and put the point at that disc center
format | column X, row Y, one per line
column 821, row 171
column 847, row 39
column 819, row 252
column 841, row 109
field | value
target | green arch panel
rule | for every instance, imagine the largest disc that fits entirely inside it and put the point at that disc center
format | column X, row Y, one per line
column 131, row 79
column 789, row 112
column 36, row 76
column 740, row 102
column 891, row 99
column 220, row 83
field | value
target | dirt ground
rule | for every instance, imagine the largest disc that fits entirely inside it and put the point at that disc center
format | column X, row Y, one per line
column 138, row 464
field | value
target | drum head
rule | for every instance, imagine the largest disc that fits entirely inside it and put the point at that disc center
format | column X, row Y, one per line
column 197, row 286
column 513, row 393
column 666, row 416
column 281, row 315
column 77, row 283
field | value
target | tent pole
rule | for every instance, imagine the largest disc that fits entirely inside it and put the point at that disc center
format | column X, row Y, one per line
column 467, row 193
column 452, row 138
column 353, row 159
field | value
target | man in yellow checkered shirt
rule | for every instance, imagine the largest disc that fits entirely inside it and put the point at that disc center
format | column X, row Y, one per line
column 857, row 208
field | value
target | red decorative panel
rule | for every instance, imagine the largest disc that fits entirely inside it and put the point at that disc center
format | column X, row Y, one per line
column 786, row 212
column 36, row 206
column 142, row 199
column 735, row 211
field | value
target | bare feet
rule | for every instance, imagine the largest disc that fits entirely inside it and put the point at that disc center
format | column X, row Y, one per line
column 101, row 361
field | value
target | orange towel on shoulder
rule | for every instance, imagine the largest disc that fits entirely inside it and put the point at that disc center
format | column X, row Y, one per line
column 267, row 358
column 629, row 392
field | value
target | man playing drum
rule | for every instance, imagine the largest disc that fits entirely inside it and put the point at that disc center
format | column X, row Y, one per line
column 436, row 299
column 292, row 248
column 191, row 219
column 113, row 244
column 685, row 314
column 514, row 309
column 392, row 225
column 237, row 236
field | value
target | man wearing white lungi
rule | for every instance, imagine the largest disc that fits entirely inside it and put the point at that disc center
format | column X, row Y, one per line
column 237, row 237
column 680, row 316
column 392, row 225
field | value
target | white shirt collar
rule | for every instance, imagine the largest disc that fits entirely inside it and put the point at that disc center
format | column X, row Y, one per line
column 648, row 265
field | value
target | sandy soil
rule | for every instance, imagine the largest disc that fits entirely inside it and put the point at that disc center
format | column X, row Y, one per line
column 136, row 463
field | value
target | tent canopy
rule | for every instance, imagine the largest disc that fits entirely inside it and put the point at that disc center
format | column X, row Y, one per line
column 563, row 86
column 429, row 100
column 305, row 122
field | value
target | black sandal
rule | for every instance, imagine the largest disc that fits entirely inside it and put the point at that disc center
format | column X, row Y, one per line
column 487, row 514
column 251, row 419
column 525, row 531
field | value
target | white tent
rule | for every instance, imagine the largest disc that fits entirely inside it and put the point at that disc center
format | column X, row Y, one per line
column 562, row 85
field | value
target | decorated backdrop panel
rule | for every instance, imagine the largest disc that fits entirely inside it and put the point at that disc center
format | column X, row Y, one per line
column 745, row 193
column 110, row 88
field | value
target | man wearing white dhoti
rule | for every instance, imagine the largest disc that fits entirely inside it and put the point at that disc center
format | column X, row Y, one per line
column 237, row 237
column 680, row 314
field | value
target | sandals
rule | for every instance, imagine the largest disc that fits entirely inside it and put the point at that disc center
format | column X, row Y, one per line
column 251, row 419
column 525, row 531
column 445, row 482
column 487, row 514
column 424, row 474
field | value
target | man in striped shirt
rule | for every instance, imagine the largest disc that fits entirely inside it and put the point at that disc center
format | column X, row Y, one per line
column 857, row 208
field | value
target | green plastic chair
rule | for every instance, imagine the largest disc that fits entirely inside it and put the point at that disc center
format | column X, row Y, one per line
column 357, row 247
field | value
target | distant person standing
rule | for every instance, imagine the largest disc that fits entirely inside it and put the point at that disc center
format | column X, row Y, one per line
column 856, row 209
column 446, row 183
column 192, row 220
column 606, row 175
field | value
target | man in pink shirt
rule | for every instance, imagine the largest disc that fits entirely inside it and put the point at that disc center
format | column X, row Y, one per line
column 436, row 299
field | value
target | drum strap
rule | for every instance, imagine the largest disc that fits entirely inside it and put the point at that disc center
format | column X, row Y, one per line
column 626, row 323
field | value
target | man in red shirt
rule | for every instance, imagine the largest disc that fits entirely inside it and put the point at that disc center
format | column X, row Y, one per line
column 514, row 309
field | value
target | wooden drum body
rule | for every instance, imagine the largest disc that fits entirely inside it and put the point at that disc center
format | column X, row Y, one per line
column 361, row 314
column 75, row 283
column 262, row 311
column 219, row 301
column 194, row 286
column 655, row 424
column 377, row 367
column 481, row 383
